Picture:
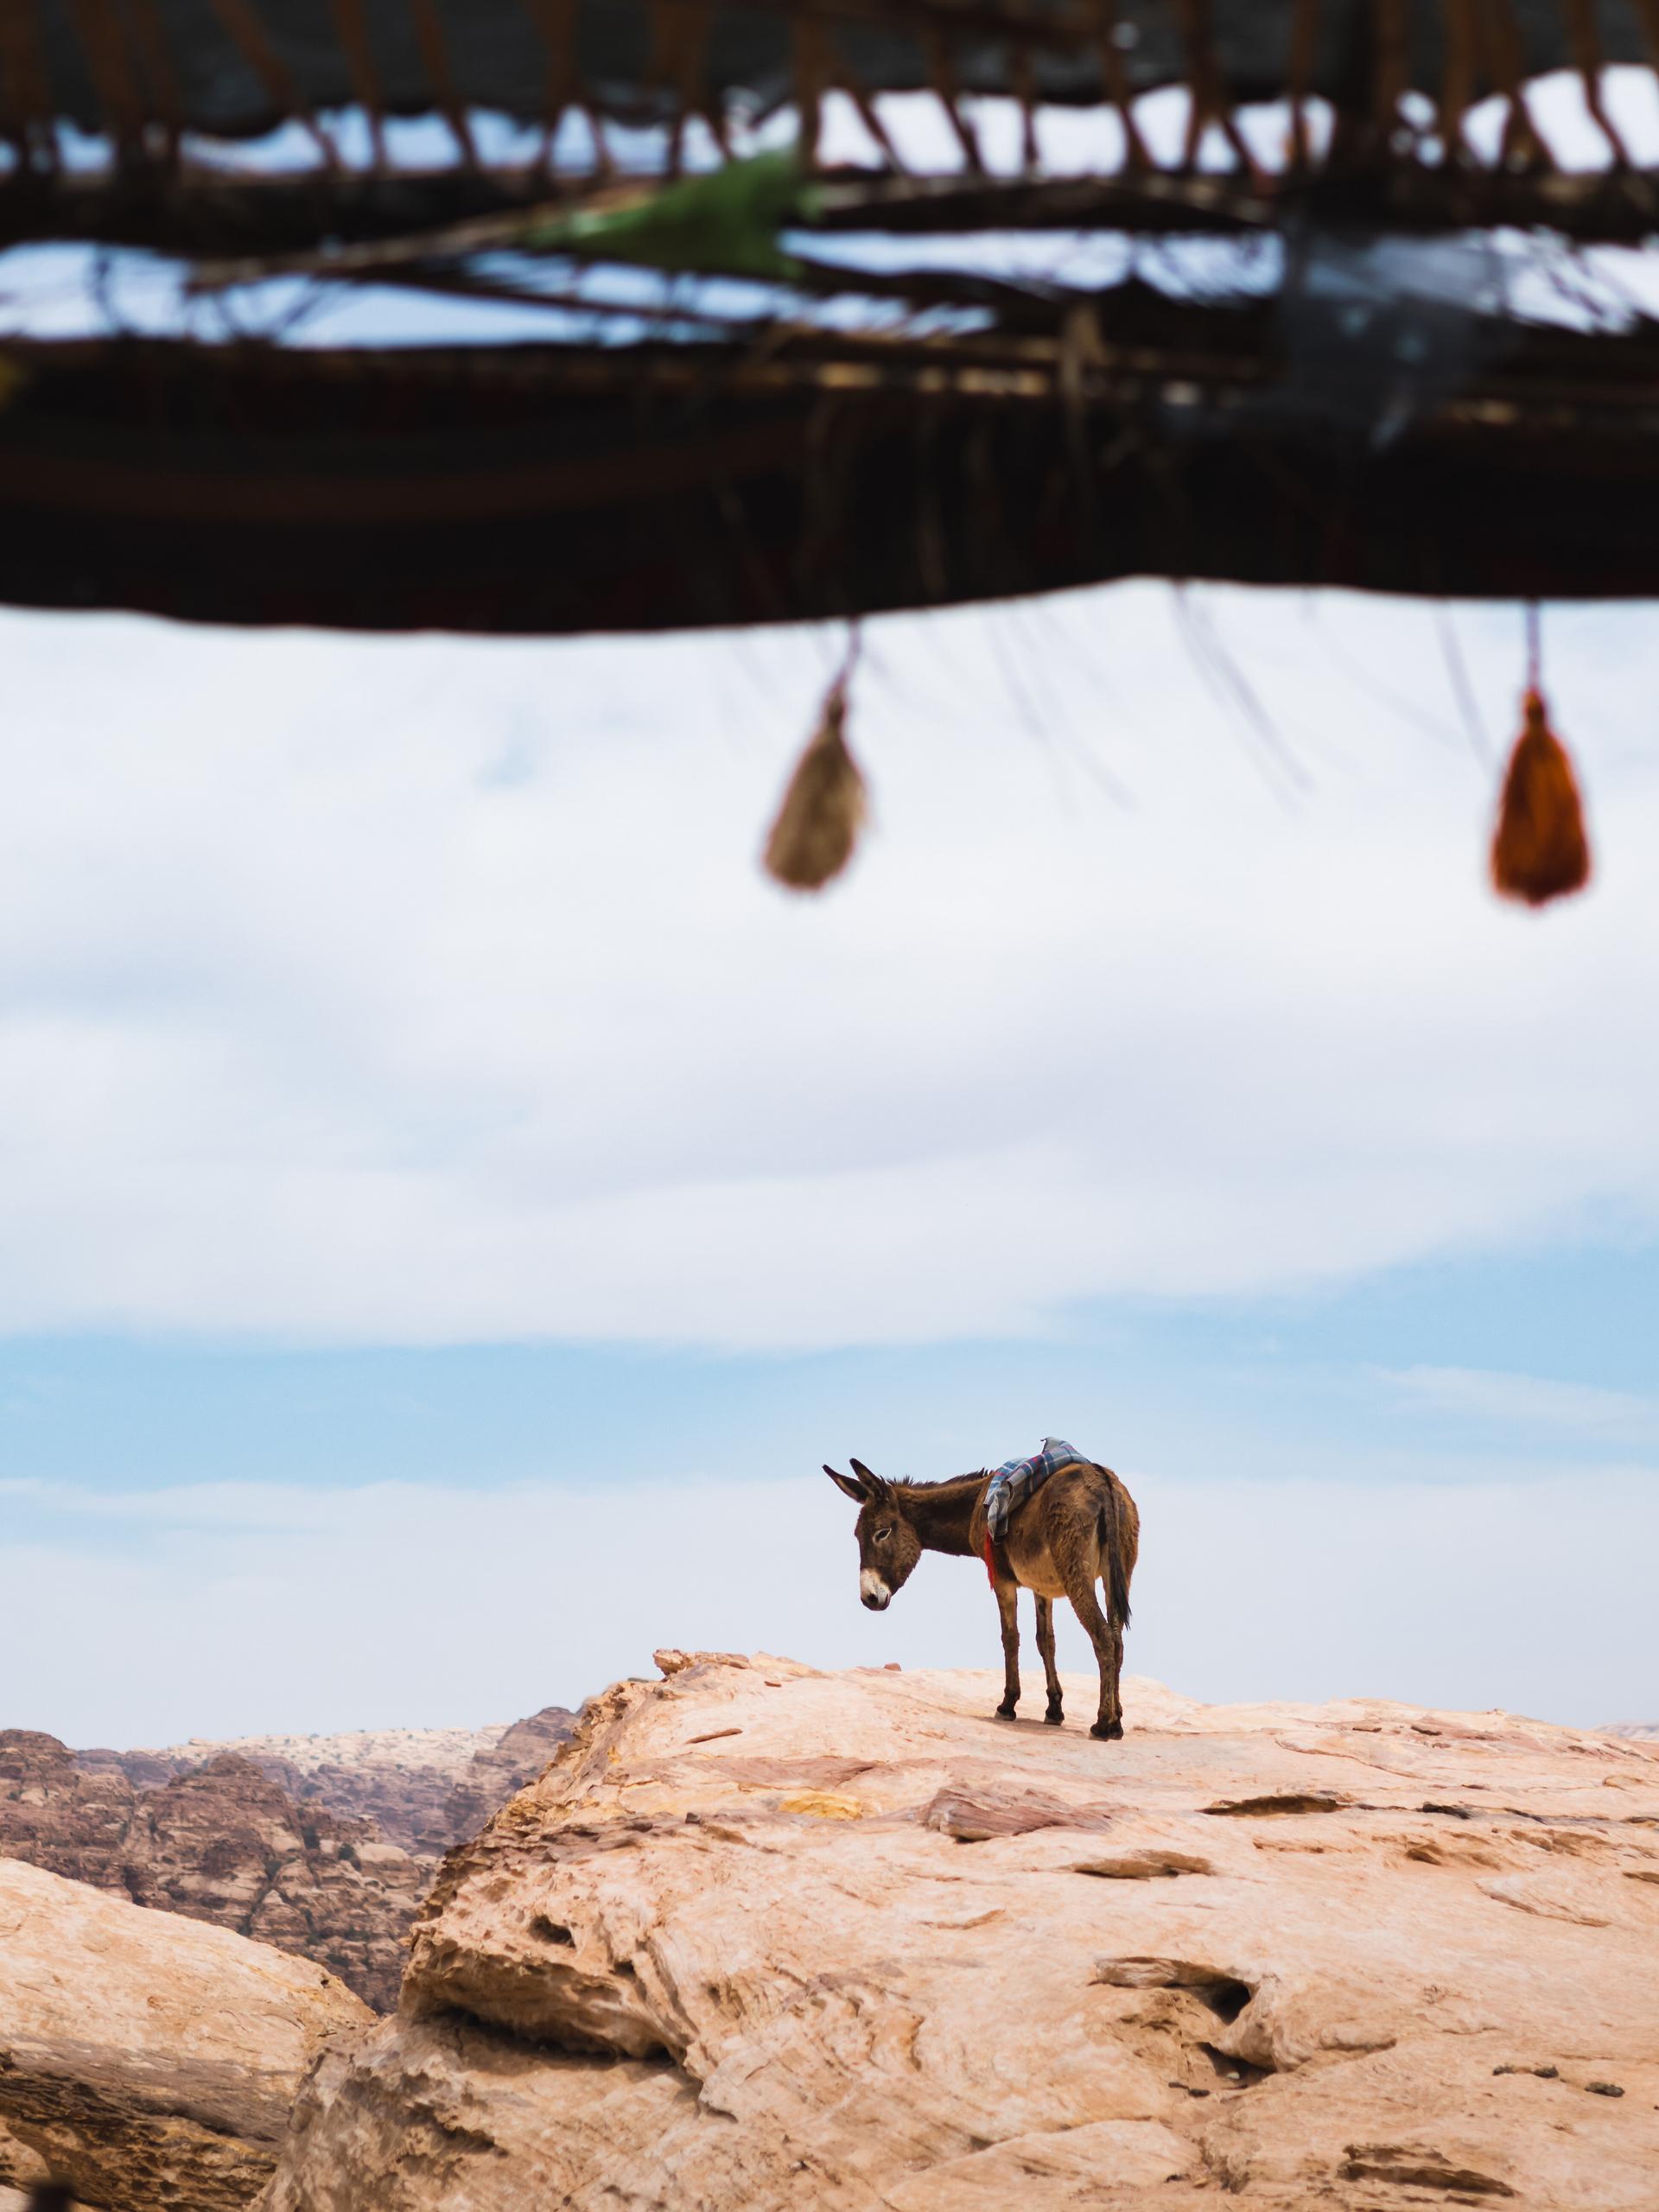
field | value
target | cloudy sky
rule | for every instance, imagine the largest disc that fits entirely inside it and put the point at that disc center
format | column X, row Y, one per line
column 451, row 1204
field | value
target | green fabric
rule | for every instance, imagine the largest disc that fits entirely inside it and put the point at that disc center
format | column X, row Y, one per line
column 725, row 224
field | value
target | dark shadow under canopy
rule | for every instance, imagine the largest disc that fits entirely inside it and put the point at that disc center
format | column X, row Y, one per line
column 545, row 490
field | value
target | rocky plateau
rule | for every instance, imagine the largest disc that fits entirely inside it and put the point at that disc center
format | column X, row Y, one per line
column 767, row 1937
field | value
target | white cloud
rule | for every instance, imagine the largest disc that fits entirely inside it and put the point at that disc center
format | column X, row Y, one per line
column 419, row 990
column 221, row 1609
column 1532, row 1401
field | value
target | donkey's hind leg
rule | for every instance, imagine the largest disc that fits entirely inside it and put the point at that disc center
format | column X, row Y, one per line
column 1108, row 1651
column 1055, row 1712
column 1008, row 1599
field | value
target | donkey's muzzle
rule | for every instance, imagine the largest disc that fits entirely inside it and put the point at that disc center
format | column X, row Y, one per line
column 873, row 1589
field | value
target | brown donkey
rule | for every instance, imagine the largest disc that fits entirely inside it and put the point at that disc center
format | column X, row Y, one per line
column 1079, row 1527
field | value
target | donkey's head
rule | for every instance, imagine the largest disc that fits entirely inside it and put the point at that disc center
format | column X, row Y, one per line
column 888, row 1546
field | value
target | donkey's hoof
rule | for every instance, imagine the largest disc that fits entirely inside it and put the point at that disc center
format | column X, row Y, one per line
column 1108, row 1730
column 1005, row 1712
column 1054, row 1716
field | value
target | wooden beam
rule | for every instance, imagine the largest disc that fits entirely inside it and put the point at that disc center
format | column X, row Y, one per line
column 550, row 491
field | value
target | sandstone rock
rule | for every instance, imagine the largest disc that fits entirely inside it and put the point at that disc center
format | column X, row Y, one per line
column 146, row 2060
column 143, row 1769
column 22, row 2164
column 55, row 1816
column 1250, row 1950
column 224, row 1843
column 516, row 1756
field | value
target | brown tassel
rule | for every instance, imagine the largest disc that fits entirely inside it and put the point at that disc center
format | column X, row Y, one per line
column 1539, row 850
column 822, row 811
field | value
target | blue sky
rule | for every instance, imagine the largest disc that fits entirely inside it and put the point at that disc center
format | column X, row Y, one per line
column 1382, row 1372
column 450, row 1205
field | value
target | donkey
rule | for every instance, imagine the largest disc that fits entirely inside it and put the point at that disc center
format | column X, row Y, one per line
column 1078, row 1528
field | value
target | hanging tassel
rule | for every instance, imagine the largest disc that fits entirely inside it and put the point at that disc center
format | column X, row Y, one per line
column 1539, row 850
column 823, row 808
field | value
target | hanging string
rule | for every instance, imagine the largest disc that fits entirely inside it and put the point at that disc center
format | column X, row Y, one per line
column 818, row 824
column 1540, row 848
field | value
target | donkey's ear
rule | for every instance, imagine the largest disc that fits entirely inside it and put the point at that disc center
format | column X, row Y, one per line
column 874, row 1486
column 853, row 1488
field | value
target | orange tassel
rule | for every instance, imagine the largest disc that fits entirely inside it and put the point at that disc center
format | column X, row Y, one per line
column 1539, row 850
column 822, row 810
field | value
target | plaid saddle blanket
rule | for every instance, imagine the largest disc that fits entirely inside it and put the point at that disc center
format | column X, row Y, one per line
column 1015, row 1480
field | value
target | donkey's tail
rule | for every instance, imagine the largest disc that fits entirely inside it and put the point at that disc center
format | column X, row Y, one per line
column 1112, row 1565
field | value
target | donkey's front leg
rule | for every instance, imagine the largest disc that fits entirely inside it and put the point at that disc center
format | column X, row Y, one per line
column 1007, row 1597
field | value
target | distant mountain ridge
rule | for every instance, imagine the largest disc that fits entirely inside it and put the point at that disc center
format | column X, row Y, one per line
column 423, row 1788
column 322, row 1845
